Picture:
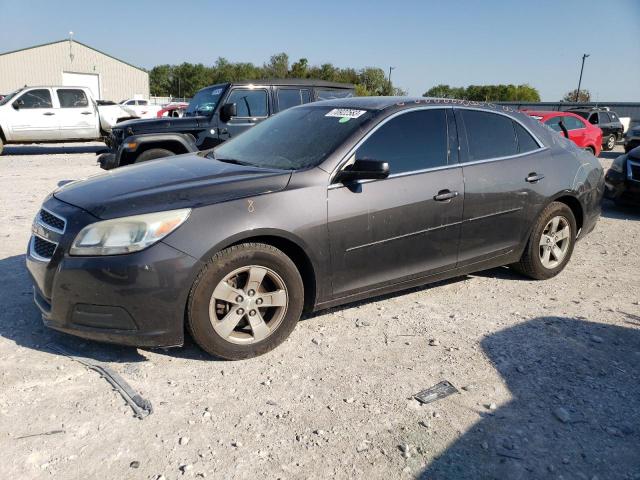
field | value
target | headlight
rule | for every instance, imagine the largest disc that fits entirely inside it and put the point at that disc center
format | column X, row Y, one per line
column 127, row 234
column 618, row 164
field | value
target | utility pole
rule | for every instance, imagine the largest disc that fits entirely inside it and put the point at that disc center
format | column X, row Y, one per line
column 584, row 57
column 390, row 90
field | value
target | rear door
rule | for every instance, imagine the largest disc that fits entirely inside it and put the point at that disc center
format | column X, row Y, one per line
column 495, row 169
column 397, row 229
column 33, row 117
column 252, row 106
column 77, row 117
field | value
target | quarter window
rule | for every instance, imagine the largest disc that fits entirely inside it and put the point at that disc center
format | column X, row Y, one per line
column 526, row 143
column 35, row 99
column 489, row 135
column 72, row 98
column 412, row 141
column 250, row 103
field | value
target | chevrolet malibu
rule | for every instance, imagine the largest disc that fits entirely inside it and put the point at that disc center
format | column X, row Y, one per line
column 321, row 205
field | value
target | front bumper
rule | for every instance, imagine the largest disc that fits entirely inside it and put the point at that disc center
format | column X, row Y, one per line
column 620, row 188
column 135, row 299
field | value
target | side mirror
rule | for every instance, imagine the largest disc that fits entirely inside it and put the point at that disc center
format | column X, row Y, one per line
column 364, row 170
column 228, row 111
column 18, row 104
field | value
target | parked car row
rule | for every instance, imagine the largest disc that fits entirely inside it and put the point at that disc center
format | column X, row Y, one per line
column 215, row 114
column 323, row 204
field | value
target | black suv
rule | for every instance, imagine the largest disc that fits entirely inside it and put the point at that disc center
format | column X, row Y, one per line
column 215, row 114
column 606, row 120
column 622, row 181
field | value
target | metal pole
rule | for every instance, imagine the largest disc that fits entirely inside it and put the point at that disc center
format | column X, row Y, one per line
column 580, row 81
column 390, row 88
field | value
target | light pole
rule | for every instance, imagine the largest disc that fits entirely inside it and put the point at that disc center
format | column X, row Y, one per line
column 390, row 90
column 584, row 57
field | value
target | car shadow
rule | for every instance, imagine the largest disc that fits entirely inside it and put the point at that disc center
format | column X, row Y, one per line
column 619, row 212
column 611, row 155
column 53, row 149
column 20, row 320
column 575, row 407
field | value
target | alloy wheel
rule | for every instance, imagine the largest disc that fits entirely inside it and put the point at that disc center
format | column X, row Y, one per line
column 611, row 142
column 554, row 242
column 248, row 304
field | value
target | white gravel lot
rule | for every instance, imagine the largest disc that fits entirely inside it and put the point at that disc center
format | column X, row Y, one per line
column 548, row 374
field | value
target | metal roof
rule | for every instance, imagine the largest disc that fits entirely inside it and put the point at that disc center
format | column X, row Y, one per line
column 74, row 41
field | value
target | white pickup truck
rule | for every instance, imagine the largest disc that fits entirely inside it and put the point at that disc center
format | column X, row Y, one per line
column 56, row 114
column 141, row 107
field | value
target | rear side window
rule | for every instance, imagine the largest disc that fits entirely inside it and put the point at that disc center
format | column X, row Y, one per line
column 593, row 119
column 142, row 102
column 289, row 97
column 526, row 143
column 72, row 98
column 614, row 117
column 329, row 94
column 412, row 141
column 572, row 123
column 489, row 135
column 604, row 117
column 554, row 123
column 36, row 99
column 250, row 103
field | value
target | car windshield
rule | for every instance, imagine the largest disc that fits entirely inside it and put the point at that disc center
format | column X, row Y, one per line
column 8, row 98
column 204, row 102
column 298, row 138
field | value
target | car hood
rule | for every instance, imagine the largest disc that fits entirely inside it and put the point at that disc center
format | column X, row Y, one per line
column 183, row 181
column 158, row 125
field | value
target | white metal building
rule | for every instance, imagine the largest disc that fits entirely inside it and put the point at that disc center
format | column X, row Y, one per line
column 71, row 63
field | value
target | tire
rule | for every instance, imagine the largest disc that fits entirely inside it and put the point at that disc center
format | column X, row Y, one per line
column 153, row 154
column 610, row 143
column 532, row 263
column 1, row 146
column 220, row 317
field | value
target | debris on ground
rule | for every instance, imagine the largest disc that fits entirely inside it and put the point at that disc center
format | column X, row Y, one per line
column 439, row 390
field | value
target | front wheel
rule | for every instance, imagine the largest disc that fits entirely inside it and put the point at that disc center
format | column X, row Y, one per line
column 246, row 301
column 550, row 244
column 610, row 143
column 153, row 154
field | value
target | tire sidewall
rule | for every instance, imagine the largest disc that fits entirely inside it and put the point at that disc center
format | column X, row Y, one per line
column 610, row 139
column 215, row 271
column 553, row 210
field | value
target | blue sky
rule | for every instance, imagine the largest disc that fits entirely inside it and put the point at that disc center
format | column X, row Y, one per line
column 458, row 42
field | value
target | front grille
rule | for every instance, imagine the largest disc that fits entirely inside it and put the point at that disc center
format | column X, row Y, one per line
column 634, row 171
column 53, row 221
column 43, row 248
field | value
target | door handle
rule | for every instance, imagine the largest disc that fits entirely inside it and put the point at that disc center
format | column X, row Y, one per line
column 445, row 195
column 86, row 113
column 533, row 177
column 48, row 114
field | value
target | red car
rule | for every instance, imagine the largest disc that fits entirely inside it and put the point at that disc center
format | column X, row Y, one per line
column 173, row 110
column 581, row 132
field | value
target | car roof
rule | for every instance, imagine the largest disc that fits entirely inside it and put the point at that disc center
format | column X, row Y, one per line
column 550, row 113
column 290, row 81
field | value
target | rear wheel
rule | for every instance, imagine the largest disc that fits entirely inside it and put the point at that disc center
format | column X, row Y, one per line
column 153, row 154
column 550, row 244
column 245, row 301
column 610, row 143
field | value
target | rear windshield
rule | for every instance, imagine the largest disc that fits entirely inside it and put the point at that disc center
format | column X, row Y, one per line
column 204, row 102
column 298, row 138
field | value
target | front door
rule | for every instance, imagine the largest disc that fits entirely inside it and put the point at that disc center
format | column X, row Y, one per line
column 252, row 107
column 77, row 117
column 33, row 117
column 407, row 225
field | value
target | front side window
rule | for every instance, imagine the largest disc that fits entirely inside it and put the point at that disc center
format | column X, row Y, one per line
column 35, row 99
column 489, row 135
column 72, row 98
column 249, row 103
column 409, row 142
column 572, row 123
column 131, row 102
column 295, row 139
column 289, row 97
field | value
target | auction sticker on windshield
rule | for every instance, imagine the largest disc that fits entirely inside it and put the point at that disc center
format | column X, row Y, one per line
column 345, row 113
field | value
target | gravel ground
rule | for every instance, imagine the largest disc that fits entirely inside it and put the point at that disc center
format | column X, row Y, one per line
column 548, row 374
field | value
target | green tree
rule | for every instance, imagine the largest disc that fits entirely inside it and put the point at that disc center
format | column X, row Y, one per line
column 299, row 68
column 585, row 96
column 278, row 66
column 486, row 93
column 160, row 80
